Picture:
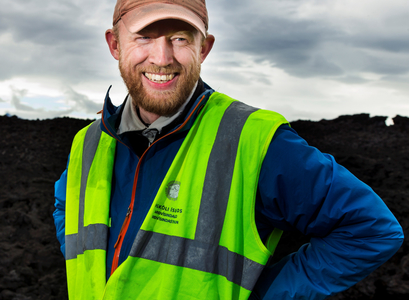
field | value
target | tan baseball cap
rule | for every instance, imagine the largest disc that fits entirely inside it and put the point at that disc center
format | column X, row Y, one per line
column 137, row 14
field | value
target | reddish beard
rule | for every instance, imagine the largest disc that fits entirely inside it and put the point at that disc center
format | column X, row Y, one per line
column 162, row 103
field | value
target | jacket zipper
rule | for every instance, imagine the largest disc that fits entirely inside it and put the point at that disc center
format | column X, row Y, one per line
column 120, row 232
column 128, row 216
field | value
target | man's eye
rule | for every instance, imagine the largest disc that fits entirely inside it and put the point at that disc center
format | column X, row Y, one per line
column 180, row 40
column 143, row 39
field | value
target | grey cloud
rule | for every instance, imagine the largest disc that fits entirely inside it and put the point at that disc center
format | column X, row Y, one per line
column 49, row 39
column 47, row 62
column 391, row 36
column 398, row 83
column 390, row 44
column 51, row 31
column 49, row 114
column 272, row 31
column 352, row 79
column 316, row 65
column 259, row 78
column 62, row 43
column 16, row 100
column 239, row 78
column 288, row 44
column 28, row 112
column 398, row 78
column 267, row 34
column 221, row 75
column 293, row 113
column 232, row 64
column 386, row 64
column 45, row 23
column 82, row 102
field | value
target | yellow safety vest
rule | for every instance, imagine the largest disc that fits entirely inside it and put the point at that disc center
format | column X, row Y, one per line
column 199, row 239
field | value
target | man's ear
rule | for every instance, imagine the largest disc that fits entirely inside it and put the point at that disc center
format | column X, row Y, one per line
column 113, row 43
column 207, row 45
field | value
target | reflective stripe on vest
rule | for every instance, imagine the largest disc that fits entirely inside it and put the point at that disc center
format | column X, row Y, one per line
column 87, row 211
column 93, row 236
column 199, row 239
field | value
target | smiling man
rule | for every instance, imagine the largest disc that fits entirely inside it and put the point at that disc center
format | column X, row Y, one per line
column 159, row 63
column 183, row 193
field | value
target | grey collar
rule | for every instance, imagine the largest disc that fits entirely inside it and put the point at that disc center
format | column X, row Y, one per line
column 131, row 122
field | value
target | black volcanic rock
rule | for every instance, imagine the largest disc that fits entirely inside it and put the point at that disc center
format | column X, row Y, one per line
column 33, row 154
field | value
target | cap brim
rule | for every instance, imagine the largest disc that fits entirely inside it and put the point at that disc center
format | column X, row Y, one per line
column 142, row 16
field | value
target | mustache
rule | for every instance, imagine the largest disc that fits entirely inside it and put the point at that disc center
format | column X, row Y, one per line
column 157, row 69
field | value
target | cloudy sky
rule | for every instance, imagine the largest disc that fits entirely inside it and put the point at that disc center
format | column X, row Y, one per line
column 307, row 59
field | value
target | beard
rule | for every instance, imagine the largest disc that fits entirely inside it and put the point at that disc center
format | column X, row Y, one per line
column 162, row 103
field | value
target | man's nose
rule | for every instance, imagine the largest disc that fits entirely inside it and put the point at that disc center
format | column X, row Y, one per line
column 161, row 52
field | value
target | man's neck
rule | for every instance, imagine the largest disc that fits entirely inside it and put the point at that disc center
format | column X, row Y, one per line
column 134, row 119
column 147, row 117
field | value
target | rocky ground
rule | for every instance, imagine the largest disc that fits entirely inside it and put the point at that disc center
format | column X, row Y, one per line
column 33, row 155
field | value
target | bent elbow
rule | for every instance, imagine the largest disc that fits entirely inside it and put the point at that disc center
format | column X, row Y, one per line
column 391, row 240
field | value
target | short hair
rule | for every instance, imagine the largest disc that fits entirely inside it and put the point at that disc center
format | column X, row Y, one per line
column 115, row 30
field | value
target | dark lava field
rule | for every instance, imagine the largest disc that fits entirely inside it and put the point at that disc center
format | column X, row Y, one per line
column 33, row 154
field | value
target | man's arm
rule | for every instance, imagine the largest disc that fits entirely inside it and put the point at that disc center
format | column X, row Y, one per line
column 352, row 231
column 59, row 213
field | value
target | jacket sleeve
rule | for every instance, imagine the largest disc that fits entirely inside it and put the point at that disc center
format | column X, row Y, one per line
column 352, row 231
column 59, row 213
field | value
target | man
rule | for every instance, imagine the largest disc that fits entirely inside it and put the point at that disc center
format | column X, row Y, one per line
column 182, row 192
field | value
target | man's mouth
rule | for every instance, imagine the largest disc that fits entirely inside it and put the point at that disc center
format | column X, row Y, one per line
column 159, row 78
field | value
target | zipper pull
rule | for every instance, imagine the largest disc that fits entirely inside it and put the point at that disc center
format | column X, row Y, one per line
column 128, row 212
column 122, row 228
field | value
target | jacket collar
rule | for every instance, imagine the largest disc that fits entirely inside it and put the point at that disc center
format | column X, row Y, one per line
column 111, row 114
column 131, row 121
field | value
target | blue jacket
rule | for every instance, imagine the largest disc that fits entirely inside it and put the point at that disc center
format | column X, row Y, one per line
column 352, row 231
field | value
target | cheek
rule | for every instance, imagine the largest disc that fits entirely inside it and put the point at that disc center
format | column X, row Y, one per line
column 134, row 55
column 187, row 57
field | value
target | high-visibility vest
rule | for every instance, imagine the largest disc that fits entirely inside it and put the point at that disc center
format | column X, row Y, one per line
column 199, row 239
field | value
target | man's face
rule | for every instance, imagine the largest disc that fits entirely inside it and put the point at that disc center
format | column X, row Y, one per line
column 160, row 64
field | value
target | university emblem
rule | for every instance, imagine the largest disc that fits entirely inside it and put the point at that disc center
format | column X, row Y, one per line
column 172, row 190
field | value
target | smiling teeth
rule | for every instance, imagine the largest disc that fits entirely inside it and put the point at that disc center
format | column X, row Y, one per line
column 159, row 78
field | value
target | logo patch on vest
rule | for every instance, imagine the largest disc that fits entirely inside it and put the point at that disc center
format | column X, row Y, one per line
column 172, row 190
